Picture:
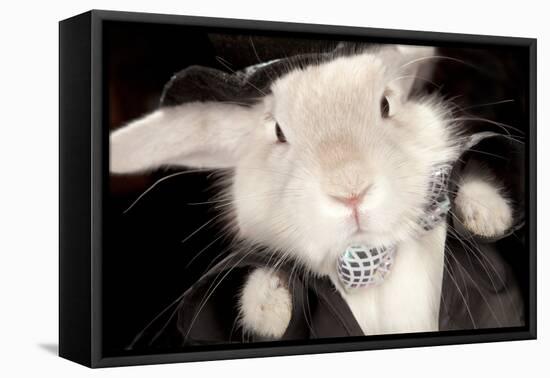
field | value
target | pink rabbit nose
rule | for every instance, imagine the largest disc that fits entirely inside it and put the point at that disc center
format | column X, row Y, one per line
column 353, row 200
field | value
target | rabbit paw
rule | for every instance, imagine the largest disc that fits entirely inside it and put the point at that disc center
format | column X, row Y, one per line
column 482, row 208
column 265, row 304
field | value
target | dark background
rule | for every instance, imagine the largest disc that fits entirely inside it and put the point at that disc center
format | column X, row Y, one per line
column 145, row 264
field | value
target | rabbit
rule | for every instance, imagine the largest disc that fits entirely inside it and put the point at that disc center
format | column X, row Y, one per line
column 335, row 153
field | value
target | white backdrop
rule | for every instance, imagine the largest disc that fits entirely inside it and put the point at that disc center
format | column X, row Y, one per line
column 28, row 200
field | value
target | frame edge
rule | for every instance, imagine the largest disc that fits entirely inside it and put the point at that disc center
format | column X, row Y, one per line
column 74, row 189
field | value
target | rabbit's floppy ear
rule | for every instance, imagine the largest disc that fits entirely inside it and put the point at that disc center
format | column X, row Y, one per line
column 197, row 134
column 413, row 66
column 202, row 121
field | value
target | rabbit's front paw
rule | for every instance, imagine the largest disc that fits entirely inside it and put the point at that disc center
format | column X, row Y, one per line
column 265, row 304
column 482, row 208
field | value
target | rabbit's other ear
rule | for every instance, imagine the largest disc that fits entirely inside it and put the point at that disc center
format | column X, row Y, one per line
column 413, row 66
column 197, row 134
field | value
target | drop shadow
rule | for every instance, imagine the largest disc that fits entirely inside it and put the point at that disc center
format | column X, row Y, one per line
column 51, row 348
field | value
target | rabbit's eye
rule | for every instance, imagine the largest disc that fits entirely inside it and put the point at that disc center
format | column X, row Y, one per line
column 280, row 135
column 385, row 107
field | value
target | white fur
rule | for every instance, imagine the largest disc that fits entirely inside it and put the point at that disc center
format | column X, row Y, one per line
column 265, row 304
column 481, row 204
column 202, row 135
column 338, row 144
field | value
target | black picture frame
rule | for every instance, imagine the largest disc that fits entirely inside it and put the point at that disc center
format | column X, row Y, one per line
column 83, row 154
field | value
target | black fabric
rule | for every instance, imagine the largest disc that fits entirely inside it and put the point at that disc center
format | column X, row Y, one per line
column 479, row 287
column 318, row 310
column 199, row 83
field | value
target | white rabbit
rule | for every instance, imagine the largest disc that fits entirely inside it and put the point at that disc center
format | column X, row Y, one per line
column 336, row 153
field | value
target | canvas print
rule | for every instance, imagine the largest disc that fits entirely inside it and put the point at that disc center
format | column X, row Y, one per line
column 267, row 188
